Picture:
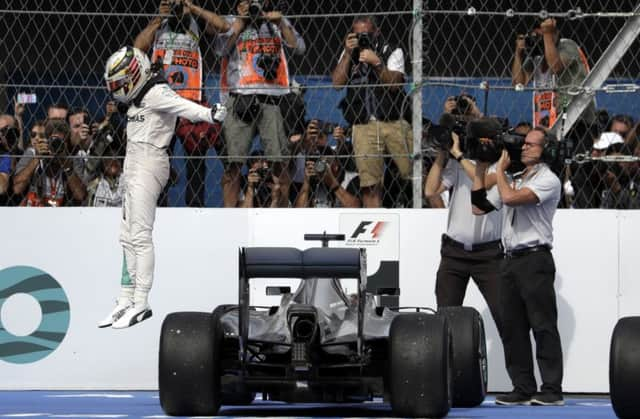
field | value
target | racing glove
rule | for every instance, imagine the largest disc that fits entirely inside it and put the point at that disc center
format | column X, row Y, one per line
column 218, row 112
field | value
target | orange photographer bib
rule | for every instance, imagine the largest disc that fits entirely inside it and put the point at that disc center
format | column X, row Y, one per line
column 181, row 60
column 546, row 104
column 251, row 74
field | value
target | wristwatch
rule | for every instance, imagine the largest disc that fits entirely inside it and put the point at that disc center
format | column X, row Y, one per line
column 459, row 158
column 379, row 66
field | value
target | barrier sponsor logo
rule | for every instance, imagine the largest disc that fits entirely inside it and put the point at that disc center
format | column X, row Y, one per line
column 367, row 233
column 54, row 306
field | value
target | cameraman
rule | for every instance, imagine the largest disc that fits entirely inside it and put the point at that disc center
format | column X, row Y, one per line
column 471, row 245
column 262, row 188
column 555, row 65
column 256, row 78
column 47, row 173
column 324, row 183
column 175, row 44
column 527, row 272
column 376, row 113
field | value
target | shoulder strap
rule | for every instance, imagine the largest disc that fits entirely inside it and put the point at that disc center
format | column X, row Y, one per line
column 155, row 79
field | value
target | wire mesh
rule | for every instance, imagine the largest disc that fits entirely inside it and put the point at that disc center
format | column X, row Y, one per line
column 56, row 50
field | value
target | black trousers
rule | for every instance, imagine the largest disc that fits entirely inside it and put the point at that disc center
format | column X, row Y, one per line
column 457, row 265
column 528, row 302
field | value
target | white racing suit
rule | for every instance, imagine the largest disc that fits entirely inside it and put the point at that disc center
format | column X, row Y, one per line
column 150, row 128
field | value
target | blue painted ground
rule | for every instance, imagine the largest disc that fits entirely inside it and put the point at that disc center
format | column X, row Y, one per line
column 145, row 404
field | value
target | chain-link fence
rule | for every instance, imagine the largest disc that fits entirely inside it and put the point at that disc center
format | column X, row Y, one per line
column 370, row 143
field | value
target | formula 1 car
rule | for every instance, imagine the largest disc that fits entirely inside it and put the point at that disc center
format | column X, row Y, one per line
column 320, row 344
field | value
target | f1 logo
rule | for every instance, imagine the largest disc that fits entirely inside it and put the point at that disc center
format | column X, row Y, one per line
column 362, row 228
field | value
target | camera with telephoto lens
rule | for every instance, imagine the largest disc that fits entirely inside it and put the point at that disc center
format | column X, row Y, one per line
column 56, row 145
column 439, row 135
column 464, row 105
column 255, row 8
column 264, row 173
column 496, row 136
column 365, row 40
column 269, row 64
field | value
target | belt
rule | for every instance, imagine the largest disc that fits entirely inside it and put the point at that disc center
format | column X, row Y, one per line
column 269, row 100
column 508, row 254
column 473, row 248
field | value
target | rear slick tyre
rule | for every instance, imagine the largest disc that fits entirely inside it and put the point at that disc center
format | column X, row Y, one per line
column 624, row 368
column 419, row 369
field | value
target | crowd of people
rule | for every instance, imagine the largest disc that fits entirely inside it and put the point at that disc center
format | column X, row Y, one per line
column 74, row 158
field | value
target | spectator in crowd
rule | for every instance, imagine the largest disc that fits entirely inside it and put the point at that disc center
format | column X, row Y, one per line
column 471, row 245
column 262, row 187
column 18, row 113
column 45, row 172
column 633, row 137
column 527, row 297
column 255, row 78
column 621, row 125
column 552, row 63
column 106, row 190
column 325, row 185
column 375, row 113
column 617, row 183
column 9, row 140
column 57, row 110
column 175, row 44
column 81, row 139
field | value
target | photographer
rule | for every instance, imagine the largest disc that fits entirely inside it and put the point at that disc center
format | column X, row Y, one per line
column 471, row 245
column 375, row 112
column 175, row 44
column 107, row 190
column 262, row 188
column 256, row 78
column 46, row 172
column 324, row 184
column 527, row 297
column 9, row 146
column 555, row 65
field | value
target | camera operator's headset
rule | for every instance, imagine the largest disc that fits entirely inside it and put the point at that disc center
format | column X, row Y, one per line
column 550, row 150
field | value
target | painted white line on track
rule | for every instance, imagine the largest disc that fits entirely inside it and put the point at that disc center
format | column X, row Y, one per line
column 84, row 415
column 89, row 395
column 23, row 415
column 594, row 404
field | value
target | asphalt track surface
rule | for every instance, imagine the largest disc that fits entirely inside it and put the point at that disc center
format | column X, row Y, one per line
column 145, row 404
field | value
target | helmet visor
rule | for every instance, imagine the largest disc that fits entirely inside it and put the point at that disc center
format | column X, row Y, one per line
column 115, row 84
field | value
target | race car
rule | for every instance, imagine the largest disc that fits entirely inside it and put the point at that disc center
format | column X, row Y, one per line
column 320, row 344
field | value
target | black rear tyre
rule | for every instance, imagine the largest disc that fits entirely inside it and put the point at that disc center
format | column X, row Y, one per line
column 419, row 367
column 624, row 368
column 189, row 369
column 469, row 349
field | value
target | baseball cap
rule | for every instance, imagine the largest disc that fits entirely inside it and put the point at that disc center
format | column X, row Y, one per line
column 607, row 139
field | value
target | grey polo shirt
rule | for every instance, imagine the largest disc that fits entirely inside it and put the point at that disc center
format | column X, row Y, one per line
column 462, row 225
column 531, row 225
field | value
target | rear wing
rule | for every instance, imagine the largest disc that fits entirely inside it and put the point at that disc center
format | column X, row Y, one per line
column 289, row 262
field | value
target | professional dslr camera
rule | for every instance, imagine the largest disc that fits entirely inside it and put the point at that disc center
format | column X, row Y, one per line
column 533, row 42
column 439, row 135
column 269, row 64
column 464, row 105
column 256, row 7
column 56, row 145
column 365, row 40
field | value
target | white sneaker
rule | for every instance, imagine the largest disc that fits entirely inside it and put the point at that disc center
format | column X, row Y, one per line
column 132, row 315
column 121, row 306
